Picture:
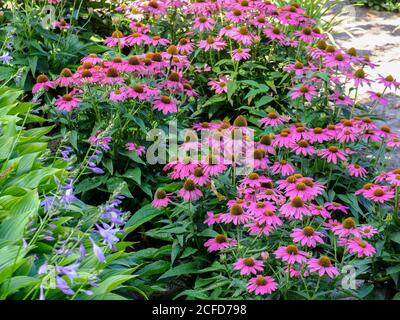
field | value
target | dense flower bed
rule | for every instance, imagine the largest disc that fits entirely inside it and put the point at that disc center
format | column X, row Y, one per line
column 275, row 187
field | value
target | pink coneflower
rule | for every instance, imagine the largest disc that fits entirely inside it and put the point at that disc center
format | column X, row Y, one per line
column 356, row 170
column 213, row 165
column 248, row 266
column 273, row 119
column 364, row 189
column 116, row 38
column 304, row 188
column 199, row 177
column 165, row 104
column 379, row 194
column 157, row 40
column 361, row 248
column 236, row 215
column 346, row 229
column 261, row 206
column 389, row 81
column 254, row 180
column 240, row 54
column 359, row 77
column 140, row 150
column 295, row 209
column 203, row 23
column 42, row 83
column 261, row 285
column 220, row 85
column 339, row 60
column 368, row 231
column 318, row 135
column 236, row 16
column 136, row 38
column 67, row 102
column 92, row 58
column 189, row 192
column 319, row 211
column 184, row 168
column 269, row 217
column 174, row 82
column 212, row 43
column 274, row 33
column 62, row 24
column 291, row 254
column 66, row 78
column 219, row 242
column 228, row 31
column 243, row 36
column 161, row 199
column 335, row 206
column 305, row 35
column 283, row 168
column 259, row 229
column 378, row 96
column 185, row 46
column 303, row 147
column 341, row 99
column 260, row 22
column 322, row 265
column 332, row 154
column 283, row 139
column 306, row 91
column 307, row 236
column 118, row 95
column 212, row 218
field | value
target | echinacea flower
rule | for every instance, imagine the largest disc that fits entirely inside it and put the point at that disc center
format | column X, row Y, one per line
column 361, row 248
column 161, row 199
column 379, row 194
column 283, row 168
column 307, row 236
column 291, row 254
column 368, row 231
column 261, row 285
column 346, row 229
column 332, row 154
column 219, row 242
column 248, row 266
column 236, row 215
column 240, row 54
column 189, row 192
column 212, row 218
column 335, row 206
column 356, row 170
column 165, row 104
column 295, row 209
column 273, row 119
column 203, row 23
column 42, row 83
column 67, row 102
column 306, row 91
column 322, row 266
column 220, row 85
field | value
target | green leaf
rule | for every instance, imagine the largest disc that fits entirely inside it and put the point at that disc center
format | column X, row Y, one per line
column 111, row 283
column 14, row 226
column 186, row 268
column 135, row 174
column 142, row 216
column 263, row 101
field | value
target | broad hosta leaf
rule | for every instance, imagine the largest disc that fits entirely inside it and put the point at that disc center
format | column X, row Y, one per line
column 13, row 227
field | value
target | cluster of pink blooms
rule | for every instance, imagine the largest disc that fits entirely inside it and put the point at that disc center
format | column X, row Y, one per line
column 115, row 75
column 264, row 208
column 383, row 189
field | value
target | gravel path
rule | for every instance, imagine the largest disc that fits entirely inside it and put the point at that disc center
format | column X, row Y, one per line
column 374, row 33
